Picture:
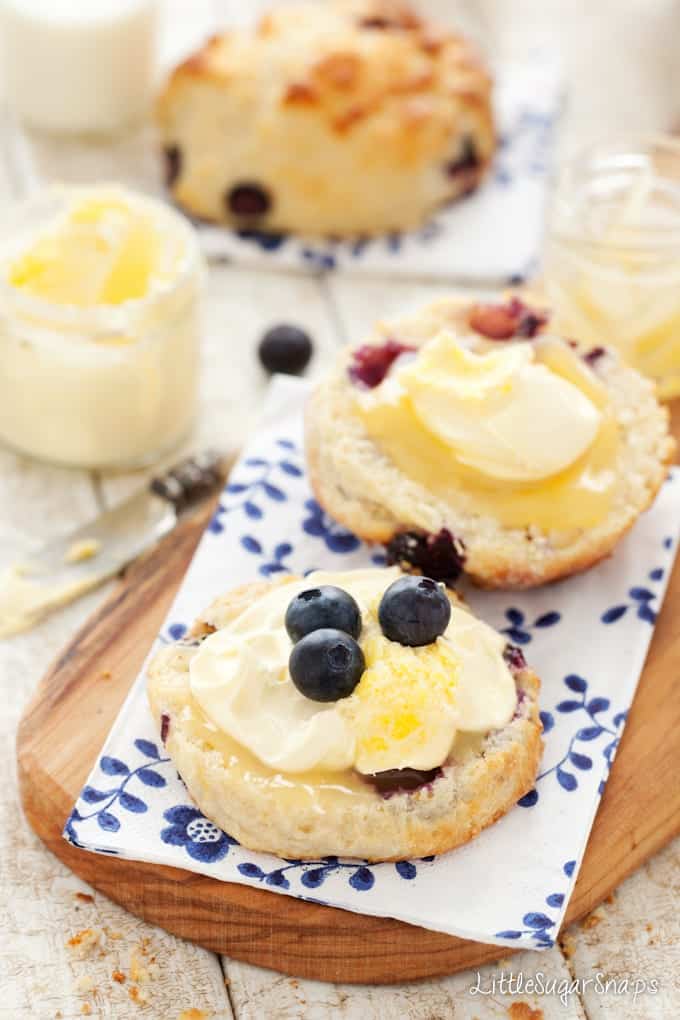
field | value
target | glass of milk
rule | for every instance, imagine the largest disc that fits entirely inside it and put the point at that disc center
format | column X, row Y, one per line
column 79, row 66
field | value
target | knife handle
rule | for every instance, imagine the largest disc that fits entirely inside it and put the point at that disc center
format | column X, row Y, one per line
column 191, row 480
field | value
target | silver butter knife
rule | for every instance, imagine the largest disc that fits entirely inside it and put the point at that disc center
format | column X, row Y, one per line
column 66, row 567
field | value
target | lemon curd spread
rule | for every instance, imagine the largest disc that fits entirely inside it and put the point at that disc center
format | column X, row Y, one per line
column 519, row 430
column 99, row 327
column 411, row 707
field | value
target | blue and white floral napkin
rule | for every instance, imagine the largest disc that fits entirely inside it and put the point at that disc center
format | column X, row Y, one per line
column 587, row 638
column 493, row 236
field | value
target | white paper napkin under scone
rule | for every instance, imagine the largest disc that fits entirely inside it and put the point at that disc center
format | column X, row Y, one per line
column 587, row 638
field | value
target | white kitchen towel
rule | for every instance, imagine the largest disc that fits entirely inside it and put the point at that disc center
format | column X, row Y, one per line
column 492, row 236
column 586, row 637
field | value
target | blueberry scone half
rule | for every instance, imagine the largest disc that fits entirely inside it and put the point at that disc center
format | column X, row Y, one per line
column 472, row 436
column 350, row 117
column 364, row 714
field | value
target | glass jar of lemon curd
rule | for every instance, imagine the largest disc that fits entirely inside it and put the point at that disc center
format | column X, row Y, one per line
column 99, row 327
column 612, row 254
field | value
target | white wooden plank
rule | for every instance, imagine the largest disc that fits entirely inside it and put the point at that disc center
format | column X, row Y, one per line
column 635, row 937
column 256, row 994
column 359, row 303
column 41, row 910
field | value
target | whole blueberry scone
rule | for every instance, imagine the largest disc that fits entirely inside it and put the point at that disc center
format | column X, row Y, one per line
column 471, row 436
column 345, row 117
column 363, row 714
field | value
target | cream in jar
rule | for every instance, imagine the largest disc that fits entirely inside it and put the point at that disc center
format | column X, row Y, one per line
column 99, row 327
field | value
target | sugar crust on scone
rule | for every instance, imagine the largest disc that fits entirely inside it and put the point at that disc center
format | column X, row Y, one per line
column 354, row 116
column 364, row 490
column 455, row 807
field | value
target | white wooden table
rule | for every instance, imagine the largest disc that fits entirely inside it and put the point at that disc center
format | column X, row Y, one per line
column 131, row 969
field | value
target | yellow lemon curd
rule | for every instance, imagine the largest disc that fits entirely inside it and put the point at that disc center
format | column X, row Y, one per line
column 100, row 289
column 104, row 252
column 401, row 694
column 577, row 496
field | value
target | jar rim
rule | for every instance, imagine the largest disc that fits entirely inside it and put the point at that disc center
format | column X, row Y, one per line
column 96, row 325
column 597, row 159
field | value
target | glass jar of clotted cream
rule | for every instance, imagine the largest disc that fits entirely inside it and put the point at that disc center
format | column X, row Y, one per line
column 99, row 327
column 612, row 254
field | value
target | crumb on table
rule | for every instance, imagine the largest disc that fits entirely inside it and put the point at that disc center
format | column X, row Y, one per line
column 84, row 943
column 84, row 984
column 523, row 1011
column 82, row 550
column 138, row 995
column 567, row 945
column 85, row 897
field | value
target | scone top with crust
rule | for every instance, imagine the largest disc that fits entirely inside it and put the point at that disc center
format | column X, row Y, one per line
column 432, row 743
column 471, row 435
column 345, row 117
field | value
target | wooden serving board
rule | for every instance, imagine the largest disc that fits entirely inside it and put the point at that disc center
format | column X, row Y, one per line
column 639, row 813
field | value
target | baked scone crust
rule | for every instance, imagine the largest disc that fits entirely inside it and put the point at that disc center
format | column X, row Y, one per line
column 355, row 116
column 450, row 811
column 363, row 489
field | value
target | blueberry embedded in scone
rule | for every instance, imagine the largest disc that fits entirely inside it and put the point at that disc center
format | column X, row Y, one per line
column 403, row 738
column 349, row 117
column 470, row 436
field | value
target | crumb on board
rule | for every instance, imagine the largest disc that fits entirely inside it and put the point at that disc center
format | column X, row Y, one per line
column 118, row 976
column 649, row 927
column 193, row 1014
column 105, row 674
column 84, row 897
column 82, row 550
column 84, row 943
column 523, row 1011
column 86, row 1009
column 592, row 921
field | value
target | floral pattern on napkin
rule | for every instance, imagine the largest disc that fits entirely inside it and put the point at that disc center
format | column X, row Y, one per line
column 587, row 638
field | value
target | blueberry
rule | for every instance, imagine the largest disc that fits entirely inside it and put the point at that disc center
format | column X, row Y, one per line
column 467, row 159
column 514, row 657
column 173, row 164
column 326, row 665
column 248, row 200
column 320, row 608
column 285, row 349
column 414, row 611
column 440, row 556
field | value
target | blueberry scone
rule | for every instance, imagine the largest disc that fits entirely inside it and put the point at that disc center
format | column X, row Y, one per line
column 471, row 436
column 338, row 118
column 364, row 714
